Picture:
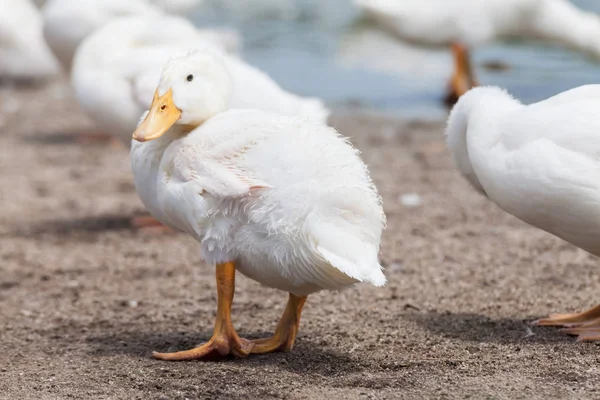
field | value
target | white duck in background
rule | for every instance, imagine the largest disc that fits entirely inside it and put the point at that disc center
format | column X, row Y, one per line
column 539, row 163
column 468, row 23
column 68, row 22
column 24, row 54
column 284, row 200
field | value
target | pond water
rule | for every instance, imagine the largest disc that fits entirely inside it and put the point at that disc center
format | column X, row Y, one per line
column 324, row 48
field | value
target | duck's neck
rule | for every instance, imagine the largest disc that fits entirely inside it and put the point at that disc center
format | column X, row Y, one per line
column 483, row 107
column 145, row 164
column 562, row 22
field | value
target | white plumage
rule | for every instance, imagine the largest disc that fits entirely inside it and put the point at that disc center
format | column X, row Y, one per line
column 287, row 198
column 116, row 70
column 538, row 162
column 23, row 51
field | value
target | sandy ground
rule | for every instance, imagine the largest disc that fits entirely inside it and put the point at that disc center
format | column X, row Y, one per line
column 84, row 298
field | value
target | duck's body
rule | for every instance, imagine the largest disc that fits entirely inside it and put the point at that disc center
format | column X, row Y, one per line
column 68, row 22
column 24, row 54
column 277, row 212
column 538, row 162
column 471, row 23
column 476, row 22
column 284, row 200
column 116, row 69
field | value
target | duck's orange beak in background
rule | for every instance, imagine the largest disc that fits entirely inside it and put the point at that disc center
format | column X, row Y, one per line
column 162, row 116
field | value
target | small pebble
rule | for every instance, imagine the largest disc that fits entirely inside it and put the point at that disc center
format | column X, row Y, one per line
column 411, row 200
column 72, row 284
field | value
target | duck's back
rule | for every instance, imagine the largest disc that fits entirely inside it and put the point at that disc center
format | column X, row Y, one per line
column 544, row 165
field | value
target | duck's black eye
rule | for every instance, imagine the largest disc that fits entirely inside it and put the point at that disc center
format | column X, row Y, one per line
column 190, row 78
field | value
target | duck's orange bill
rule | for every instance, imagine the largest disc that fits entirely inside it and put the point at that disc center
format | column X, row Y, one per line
column 162, row 116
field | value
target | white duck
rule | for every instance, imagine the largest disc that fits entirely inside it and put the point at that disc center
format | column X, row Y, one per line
column 468, row 23
column 539, row 163
column 68, row 22
column 284, row 200
column 24, row 54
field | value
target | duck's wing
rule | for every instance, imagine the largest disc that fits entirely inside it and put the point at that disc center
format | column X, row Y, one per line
column 201, row 177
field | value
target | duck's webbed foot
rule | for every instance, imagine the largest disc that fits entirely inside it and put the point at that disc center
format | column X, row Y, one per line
column 222, row 343
column 584, row 325
column 224, row 340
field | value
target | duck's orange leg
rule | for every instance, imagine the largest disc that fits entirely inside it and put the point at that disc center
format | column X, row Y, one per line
column 286, row 331
column 224, row 340
column 463, row 78
column 584, row 325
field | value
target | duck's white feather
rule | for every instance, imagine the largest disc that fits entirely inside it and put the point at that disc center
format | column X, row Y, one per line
column 287, row 198
column 23, row 51
column 540, row 162
column 474, row 22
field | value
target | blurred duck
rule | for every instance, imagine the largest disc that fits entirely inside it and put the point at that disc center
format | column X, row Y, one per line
column 284, row 200
column 24, row 55
column 68, row 22
column 116, row 69
column 463, row 24
column 539, row 163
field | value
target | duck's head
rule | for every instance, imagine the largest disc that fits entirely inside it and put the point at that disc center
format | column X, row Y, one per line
column 192, row 89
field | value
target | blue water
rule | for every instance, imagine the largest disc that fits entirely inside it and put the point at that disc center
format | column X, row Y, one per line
column 323, row 48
